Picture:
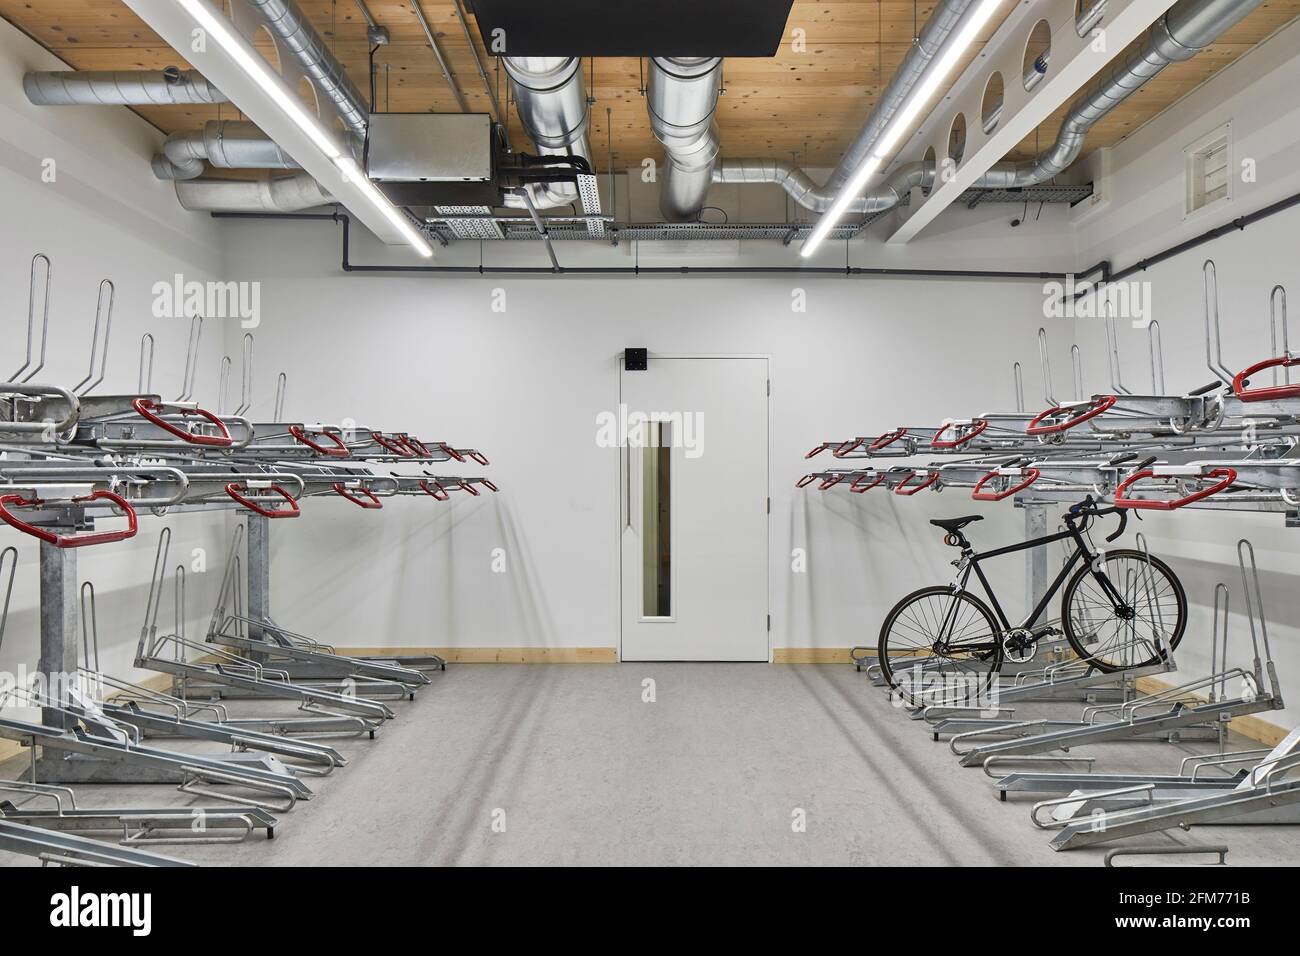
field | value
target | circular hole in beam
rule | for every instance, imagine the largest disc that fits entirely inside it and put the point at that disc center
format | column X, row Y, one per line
column 1038, row 53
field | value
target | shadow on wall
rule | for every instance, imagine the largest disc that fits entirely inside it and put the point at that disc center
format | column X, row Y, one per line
column 419, row 574
column 860, row 556
column 529, row 601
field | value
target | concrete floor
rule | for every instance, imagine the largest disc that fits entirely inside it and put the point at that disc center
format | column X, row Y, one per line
column 582, row 771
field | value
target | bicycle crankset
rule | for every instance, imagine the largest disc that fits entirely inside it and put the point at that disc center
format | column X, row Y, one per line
column 1019, row 644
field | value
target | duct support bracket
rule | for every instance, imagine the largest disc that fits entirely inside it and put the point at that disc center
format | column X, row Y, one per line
column 1074, row 61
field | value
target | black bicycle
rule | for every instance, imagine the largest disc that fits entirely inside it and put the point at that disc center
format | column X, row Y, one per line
column 1122, row 608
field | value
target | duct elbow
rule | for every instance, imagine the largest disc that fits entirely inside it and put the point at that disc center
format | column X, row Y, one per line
column 166, row 169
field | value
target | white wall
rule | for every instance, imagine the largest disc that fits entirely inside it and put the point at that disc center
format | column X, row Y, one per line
column 104, row 216
column 429, row 354
column 1143, row 215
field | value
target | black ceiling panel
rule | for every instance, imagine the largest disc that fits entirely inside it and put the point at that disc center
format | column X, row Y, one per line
column 632, row 27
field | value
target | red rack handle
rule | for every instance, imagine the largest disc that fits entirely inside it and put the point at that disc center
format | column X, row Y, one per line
column 451, row 451
column 69, row 540
column 437, row 492
column 888, row 438
column 805, row 481
column 899, row 488
column 488, row 484
column 466, row 486
column 151, row 411
column 1031, row 475
column 830, row 482
column 479, row 457
column 372, row 504
column 412, row 444
column 1095, row 408
column 339, row 450
column 839, row 451
column 858, row 489
column 236, row 491
column 1272, row 392
column 818, row 450
column 393, row 445
column 978, row 424
column 1226, row 477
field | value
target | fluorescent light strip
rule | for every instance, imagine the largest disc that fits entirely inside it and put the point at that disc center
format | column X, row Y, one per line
column 251, row 63
column 901, row 123
column 352, row 172
column 273, row 85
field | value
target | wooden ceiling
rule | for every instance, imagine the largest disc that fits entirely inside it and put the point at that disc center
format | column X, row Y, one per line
column 804, row 106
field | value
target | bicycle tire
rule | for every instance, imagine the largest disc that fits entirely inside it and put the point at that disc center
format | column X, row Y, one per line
column 1135, row 653
column 885, row 653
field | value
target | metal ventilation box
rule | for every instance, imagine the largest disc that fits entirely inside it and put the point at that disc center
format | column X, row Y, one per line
column 428, row 158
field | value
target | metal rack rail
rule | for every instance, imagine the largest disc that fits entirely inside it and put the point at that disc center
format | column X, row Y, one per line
column 82, row 469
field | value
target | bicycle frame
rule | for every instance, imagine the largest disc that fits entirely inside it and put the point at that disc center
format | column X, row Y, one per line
column 1081, row 551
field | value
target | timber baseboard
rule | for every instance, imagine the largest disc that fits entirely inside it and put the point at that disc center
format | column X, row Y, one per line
column 811, row 655
column 1252, row 726
column 495, row 655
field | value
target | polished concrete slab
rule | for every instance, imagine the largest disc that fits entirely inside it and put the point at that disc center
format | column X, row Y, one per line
column 643, row 764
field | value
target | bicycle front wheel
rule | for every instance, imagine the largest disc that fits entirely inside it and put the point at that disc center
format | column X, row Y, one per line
column 940, row 646
column 1141, row 627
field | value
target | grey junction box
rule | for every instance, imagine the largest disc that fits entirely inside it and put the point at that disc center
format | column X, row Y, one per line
column 430, row 147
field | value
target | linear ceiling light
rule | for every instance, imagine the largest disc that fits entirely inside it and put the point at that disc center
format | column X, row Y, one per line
column 902, row 121
column 237, row 48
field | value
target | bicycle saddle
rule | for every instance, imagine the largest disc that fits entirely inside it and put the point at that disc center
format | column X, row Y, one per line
column 953, row 525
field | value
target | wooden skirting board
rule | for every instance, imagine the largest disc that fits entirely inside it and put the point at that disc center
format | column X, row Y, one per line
column 811, row 655
column 1252, row 726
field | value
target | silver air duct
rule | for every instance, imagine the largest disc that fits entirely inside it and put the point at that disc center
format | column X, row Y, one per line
column 1183, row 31
column 551, row 100
column 301, row 41
column 933, row 35
column 682, row 99
column 800, row 187
column 120, row 88
column 283, row 194
column 227, row 144
column 1186, row 29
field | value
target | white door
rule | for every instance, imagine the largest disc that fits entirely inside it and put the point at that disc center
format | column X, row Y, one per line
column 695, row 510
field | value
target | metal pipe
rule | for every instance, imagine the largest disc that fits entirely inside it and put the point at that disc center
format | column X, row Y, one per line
column 933, row 35
column 482, row 75
column 1184, row 30
column 120, row 88
column 551, row 100
column 438, row 55
column 227, row 144
column 800, row 187
column 299, row 39
column 682, row 98
column 280, row 194
column 1187, row 28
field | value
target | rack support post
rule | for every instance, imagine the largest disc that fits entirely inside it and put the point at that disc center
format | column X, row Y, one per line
column 58, row 664
column 259, row 573
column 1036, row 558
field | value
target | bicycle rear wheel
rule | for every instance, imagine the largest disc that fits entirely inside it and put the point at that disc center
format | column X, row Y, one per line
column 940, row 646
column 1149, row 623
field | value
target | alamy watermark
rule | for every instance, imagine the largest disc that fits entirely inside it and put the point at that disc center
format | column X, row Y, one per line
column 1082, row 299
column 626, row 428
column 181, row 298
